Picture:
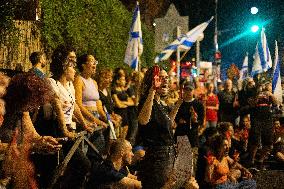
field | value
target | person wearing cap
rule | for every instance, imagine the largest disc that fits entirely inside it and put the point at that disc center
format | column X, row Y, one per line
column 190, row 118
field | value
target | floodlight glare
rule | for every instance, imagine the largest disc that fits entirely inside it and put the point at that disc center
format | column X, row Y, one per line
column 254, row 28
column 253, row 10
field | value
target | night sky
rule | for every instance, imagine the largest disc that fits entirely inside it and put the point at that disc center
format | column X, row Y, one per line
column 235, row 18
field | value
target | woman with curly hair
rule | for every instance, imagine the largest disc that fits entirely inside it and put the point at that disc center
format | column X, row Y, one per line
column 25, row 94
column 218, row 170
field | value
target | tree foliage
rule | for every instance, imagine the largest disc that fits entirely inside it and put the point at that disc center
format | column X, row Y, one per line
column 93, row 26
column 9, row 33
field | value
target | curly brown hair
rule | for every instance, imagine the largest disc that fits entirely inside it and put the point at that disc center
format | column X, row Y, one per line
column 101, row 75
column 25, row 93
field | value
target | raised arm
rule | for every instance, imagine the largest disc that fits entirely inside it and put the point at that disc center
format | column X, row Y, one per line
column 145, row 113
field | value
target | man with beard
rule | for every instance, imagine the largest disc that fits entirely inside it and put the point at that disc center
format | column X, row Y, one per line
column 38, row 61
column 113, row 172
column 156, row 129
column 246, row 95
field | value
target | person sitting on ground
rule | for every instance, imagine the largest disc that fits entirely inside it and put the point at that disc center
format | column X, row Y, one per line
column 241, row 135
column 203, row 151
column 219, row 164
column 113, row 172
column 278, row 146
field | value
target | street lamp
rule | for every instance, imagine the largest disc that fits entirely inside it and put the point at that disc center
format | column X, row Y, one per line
column 253, row 10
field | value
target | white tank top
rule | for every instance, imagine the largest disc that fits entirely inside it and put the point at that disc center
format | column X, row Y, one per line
column 90, row 94
column 67, row 98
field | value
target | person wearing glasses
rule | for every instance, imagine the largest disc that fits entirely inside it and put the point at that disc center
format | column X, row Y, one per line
column 155, row 134
column 88, row 99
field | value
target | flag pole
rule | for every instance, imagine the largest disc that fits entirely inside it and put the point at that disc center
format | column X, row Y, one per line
column 138, row 70
column 184, row 54
column 178, row 57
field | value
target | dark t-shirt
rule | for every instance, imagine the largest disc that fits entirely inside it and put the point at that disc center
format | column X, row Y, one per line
column 121, row 95
column 262, row 110
column 158, row 131
column 226, row 100
column 184, row 111
column 104, row 174
column 107, row 101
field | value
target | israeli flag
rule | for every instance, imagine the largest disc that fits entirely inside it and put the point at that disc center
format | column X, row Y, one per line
column 276, row 81
column 256, row 67
column 244, row 70
column 135, row 44
column 265, row 57
column 184, row 42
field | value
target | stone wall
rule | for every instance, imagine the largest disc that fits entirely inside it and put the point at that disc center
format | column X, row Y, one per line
column 29, row 41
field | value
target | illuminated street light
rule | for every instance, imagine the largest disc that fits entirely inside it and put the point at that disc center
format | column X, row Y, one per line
column 254, row 10
column 254, row 28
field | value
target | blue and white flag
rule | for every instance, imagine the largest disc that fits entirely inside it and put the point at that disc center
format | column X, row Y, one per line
column 135, row 44
column 184, row 42
column 276, row 81
column 264, row 52
column 244, row 70
column 262, row 58
column 256, row 67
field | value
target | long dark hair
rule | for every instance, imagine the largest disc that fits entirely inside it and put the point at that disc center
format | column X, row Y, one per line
column 82, row 60
column 25, row 93
column 59, row 57
column 217, row 144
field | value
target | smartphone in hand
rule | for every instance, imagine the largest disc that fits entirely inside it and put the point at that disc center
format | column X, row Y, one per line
column 156, row 78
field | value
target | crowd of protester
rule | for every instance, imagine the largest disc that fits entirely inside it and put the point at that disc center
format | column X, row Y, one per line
column 134, row 121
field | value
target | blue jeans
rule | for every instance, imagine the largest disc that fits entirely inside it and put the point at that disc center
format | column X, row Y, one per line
column 157, row 166
column 211, row 124
column 245, row 184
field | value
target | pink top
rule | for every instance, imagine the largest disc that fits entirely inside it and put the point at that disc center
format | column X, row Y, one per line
column 90, row 93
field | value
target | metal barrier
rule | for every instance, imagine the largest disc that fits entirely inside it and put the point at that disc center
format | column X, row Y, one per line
column 81, row 137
